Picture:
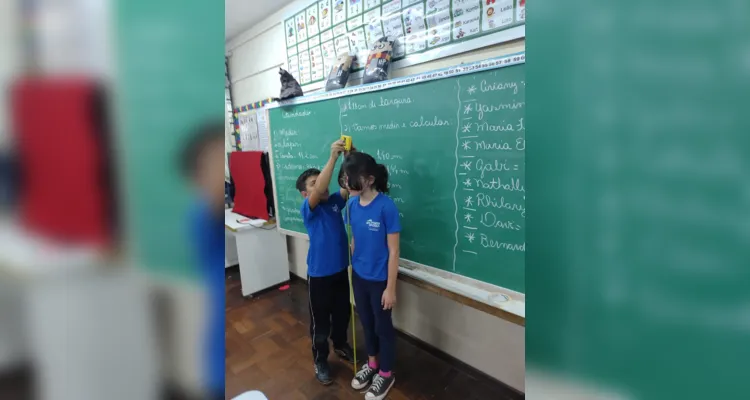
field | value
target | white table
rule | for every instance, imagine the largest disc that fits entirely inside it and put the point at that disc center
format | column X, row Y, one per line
column 261, row 252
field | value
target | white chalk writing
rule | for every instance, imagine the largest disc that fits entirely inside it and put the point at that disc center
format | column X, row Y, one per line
column 286, row 144
column 491, row 166
column 422, row 123
column 362, row 128
column 385, row 156
column 486, row 127
column 286, row 132
column 488, row 243
column 499, row 145
column 490, row 108
column 498, row 184
column 495, row 86
column 484, row 200
column 391, row 125
column 394, row 102
column 295, row 114
column 352, row 105
column 490, row 220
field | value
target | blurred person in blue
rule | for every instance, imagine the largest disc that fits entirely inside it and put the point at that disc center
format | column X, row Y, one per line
column 202, row 159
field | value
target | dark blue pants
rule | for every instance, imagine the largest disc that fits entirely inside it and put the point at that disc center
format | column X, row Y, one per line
column 380, row 336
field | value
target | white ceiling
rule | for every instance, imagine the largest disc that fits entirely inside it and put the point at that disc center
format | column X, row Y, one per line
column 241, row 15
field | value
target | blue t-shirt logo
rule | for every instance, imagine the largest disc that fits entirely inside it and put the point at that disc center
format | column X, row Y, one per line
column 371, row 225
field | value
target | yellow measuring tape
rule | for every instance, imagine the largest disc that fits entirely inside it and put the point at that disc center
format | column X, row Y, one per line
column 351, row 288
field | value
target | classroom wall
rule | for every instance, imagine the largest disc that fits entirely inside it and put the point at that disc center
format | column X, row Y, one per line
column 10, row 60
column 485, row 342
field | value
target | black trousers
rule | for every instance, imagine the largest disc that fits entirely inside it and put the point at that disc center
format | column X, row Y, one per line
column 329, row 312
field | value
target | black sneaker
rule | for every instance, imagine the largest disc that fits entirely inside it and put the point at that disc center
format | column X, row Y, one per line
column 380, row 387
column 323, row 373
column 363, row 378
column 345, row 353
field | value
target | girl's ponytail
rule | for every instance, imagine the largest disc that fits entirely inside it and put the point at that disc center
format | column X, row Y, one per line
column 381, row 178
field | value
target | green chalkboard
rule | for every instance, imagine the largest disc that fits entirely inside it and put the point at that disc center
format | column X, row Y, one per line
column 167, row 83
column 454, row 148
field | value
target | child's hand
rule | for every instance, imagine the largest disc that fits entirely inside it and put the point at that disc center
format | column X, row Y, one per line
column 337, row 148
column 389, row 299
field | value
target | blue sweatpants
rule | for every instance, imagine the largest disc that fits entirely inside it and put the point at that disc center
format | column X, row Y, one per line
column 380, row 336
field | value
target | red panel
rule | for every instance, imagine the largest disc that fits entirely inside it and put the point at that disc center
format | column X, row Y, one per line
column 249, row 196
column 64, row 192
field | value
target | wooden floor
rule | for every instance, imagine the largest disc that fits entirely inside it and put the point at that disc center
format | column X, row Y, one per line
column 268, row 349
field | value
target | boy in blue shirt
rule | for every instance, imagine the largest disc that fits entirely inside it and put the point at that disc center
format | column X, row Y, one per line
column 327, row 262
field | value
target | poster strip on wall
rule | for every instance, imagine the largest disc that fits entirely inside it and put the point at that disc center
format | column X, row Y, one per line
column 423, row 30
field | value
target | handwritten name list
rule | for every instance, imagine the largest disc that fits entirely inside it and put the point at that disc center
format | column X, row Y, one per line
column 490, row 193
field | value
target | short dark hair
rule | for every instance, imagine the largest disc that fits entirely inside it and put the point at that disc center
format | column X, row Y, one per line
column 197, row 143
column 302, row 180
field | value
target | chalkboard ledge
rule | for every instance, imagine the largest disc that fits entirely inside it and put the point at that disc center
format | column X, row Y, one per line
column 502, row 303
column 494, row 300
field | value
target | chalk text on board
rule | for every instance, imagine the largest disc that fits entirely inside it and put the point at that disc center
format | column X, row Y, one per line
column 488, row 243
column 498, row 184
column 395, row 170
column 385, row 156
column 394, row 102
column 490, row 220
column 428, row 123
column 495, row 86
column 287, row 144
column 295, row 113
column 293, row 167
column 307, row 156
column 498, row 145
column 484, row 200
column 481, row 109
column 349, row 104
column 391, row 125
column 286, row 132
column 290, row 210
column 486, row 127
column 493, row 166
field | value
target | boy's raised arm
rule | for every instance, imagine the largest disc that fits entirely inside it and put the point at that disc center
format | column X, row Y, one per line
column 324, row 179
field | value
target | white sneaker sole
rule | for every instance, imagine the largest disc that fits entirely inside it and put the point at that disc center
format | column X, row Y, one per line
column 370, row 396
column 357, row 386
